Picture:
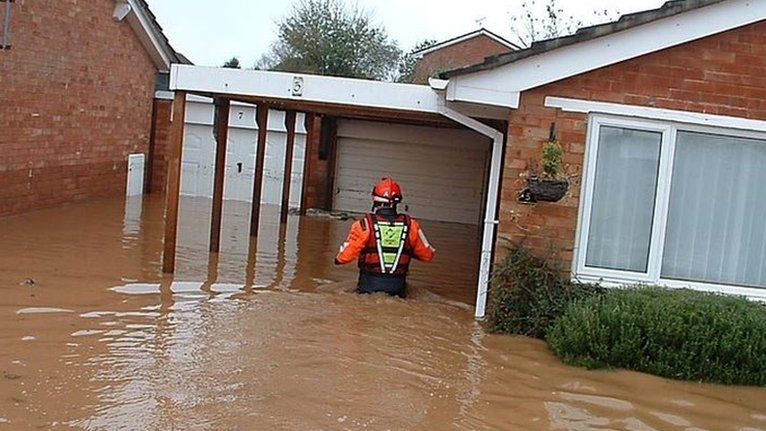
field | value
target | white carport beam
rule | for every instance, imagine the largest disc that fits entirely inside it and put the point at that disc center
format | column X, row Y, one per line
column 490, row 221
column 303, row 87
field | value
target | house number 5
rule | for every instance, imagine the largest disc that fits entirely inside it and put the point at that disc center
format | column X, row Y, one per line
column 297, row 86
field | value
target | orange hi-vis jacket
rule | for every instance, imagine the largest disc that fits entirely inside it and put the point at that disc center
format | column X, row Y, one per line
column 364, row 244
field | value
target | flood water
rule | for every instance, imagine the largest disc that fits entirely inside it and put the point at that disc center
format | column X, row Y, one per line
column 266, row 336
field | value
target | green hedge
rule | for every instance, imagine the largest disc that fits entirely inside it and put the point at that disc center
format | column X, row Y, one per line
column 679, row 334
column 528, row 293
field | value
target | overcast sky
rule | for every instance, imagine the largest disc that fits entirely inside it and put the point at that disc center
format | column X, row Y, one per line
column 210, row 32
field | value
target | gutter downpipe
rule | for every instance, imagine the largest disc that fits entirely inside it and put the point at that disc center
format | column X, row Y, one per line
column 490, row 221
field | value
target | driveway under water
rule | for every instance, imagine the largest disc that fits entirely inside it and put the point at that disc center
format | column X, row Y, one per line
column 267, row 336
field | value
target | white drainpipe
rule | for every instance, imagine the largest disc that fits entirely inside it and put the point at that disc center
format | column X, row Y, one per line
column 490, row 221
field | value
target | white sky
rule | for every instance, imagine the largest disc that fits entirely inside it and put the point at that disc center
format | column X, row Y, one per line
column 210, row 32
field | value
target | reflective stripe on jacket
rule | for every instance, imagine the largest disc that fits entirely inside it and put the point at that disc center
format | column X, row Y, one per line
column 397, row 236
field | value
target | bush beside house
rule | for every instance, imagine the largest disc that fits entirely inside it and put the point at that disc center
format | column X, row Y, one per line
column 681, row 334
column 529, row 293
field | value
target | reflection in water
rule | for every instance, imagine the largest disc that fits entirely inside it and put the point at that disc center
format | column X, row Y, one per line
column 265, row 335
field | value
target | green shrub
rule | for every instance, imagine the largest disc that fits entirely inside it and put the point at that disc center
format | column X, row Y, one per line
column 553, row 157
column 679, row 334
column 529, row 293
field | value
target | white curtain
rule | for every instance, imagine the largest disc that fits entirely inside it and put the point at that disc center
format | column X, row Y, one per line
column 716, row 229
column 623, row 199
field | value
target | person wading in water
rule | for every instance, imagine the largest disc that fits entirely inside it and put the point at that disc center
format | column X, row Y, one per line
column 384, row 242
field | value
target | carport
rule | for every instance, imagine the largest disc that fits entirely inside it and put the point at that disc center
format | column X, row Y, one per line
column 356, row 130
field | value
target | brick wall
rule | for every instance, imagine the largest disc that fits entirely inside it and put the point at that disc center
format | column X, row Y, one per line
column 723, row 74
column 161, row 143
column 319, row 173
column 75, row 99
column 461, row 54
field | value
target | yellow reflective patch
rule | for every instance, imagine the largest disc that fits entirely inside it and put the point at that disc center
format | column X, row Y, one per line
column 391, row 236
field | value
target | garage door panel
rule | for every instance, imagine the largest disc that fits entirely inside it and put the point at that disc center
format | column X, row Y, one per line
column 414, row 200
column 436, row 166
column 199, row 153
column 428, row 136
column 413, row 150
column 441, row 170
column 410, row 177
column 423, row 210
column 414, row 188
column 423, row 172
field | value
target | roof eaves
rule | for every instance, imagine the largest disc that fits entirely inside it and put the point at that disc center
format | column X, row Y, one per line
column 482, row 31
column 625, row 22
column 156, row 30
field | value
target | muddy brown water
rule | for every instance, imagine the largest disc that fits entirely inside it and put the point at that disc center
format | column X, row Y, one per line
column 266, row 337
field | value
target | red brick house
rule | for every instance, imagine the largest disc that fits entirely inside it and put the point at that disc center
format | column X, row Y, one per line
column 77, row 83
column 460, row 51
column 662, row 117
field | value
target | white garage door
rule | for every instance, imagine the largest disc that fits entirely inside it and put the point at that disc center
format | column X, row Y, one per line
column 199, row 153
column 441, row 171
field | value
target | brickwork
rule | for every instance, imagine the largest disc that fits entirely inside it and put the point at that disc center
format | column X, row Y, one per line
column 320, row 172
column 461, row 54
column 723, row 74
column 158, row 163
column 76, row 93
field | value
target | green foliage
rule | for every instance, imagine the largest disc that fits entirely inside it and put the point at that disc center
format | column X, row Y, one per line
column 326, row 37
column 409, row 61
column 529, row 293
column 232, row 63
column 680, row 334
column 553, row 156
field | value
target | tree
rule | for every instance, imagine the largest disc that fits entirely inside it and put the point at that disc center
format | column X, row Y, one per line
column 409, row 60
column 326, row 37
column 545, row 19
column 232, row 63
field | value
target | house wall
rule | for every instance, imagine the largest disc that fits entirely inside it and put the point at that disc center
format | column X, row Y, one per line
column 76, row 93
column 461, row 54
column 723, row 74
column 318, row 180
column 160, row 144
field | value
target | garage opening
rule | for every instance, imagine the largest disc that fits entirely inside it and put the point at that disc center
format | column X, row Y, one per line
column 443, row 174
column 442, row 170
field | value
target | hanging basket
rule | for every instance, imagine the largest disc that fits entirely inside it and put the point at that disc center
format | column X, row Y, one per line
column 544, row 190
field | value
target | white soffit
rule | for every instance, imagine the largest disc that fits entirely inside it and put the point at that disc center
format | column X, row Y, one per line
column 141, row 25
column 499, row 85
column 304, row 87
column 671, row 115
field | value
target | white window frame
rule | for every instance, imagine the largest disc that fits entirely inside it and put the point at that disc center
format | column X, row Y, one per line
column 5, row 25
column 669, row 130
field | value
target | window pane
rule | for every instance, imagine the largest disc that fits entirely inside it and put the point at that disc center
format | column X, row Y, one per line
column 6, row 25
column 623, row 199
column 717, row 215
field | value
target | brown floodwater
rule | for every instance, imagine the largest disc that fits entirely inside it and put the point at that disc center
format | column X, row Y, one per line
column 266, row 336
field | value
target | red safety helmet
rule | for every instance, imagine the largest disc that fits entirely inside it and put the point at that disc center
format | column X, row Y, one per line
column 387, row 191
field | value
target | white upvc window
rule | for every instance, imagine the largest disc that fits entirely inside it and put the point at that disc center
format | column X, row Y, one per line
column 5, row 25
column 673, row 204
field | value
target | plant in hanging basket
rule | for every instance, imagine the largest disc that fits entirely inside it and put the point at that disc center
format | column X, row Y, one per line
column 551, row 186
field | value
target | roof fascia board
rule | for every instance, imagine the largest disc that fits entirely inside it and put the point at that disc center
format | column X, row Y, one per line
column 142, row 26
column 313, row 88
column 603, row 51
column 465, row 37
column 480, row 110
column 651, row 113
column 497, row 95
column 500, row 40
